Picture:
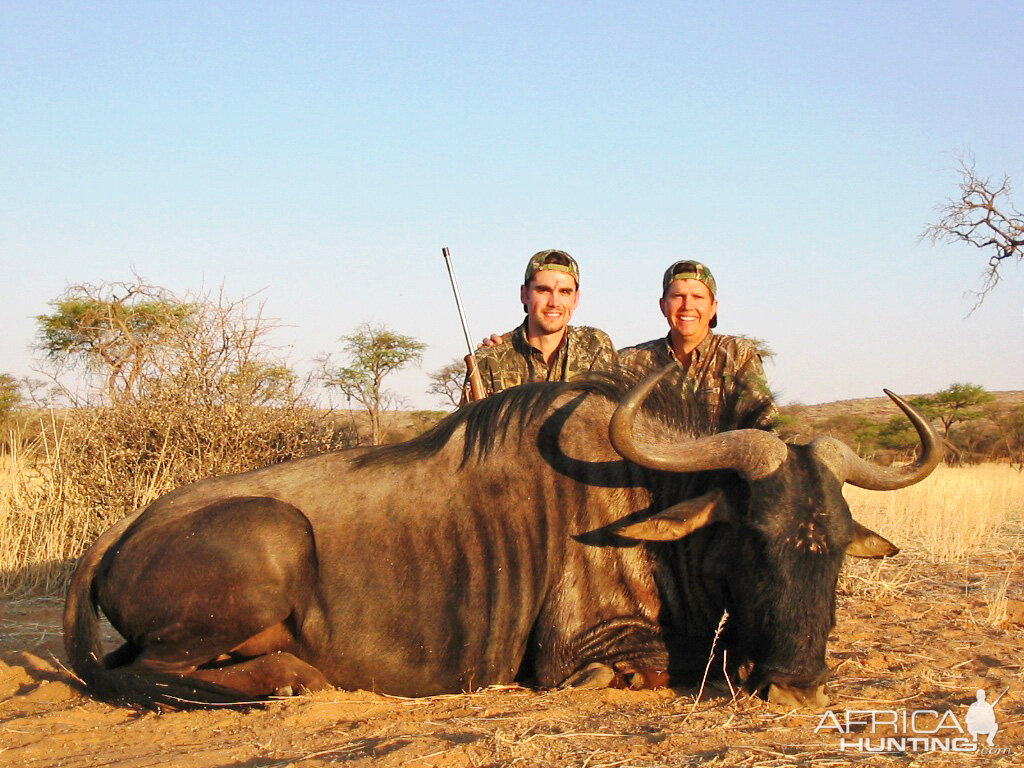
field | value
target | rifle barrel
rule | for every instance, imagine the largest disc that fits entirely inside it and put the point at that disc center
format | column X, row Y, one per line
column 476, row 383
column 458, row 299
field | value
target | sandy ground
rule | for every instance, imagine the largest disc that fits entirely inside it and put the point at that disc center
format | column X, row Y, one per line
column 911, row 636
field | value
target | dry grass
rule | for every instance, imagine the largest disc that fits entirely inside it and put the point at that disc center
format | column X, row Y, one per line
column 956, row 512
column 91, row 466
column 85, row 468
column 204, row 396
column 971, row 517
column 34, row 531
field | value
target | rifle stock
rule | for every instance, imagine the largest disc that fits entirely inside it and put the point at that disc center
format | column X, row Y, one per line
column 476, row 390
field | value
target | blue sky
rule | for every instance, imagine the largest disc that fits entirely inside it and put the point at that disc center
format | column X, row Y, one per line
column 322, row 153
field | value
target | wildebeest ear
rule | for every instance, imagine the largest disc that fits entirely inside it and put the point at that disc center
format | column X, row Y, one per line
column 867, row 543
column 680, row 519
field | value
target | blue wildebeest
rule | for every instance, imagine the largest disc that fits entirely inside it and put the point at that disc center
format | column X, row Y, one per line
column 566, row 534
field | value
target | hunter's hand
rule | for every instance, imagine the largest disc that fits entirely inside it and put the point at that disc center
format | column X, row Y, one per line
column 492, row 340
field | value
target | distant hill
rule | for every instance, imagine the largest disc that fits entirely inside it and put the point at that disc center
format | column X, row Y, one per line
column 841, row 418
column 812, row 417
column 861, row 423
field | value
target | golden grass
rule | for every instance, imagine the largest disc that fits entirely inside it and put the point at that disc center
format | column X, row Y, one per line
column 953, row 514
column 968, row 516
column 91, row 467
column 42, row 525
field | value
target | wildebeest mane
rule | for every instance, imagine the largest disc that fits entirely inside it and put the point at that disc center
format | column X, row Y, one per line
column 489, row 421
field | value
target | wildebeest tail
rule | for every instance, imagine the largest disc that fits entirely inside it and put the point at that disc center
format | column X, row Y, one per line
column 84, row 647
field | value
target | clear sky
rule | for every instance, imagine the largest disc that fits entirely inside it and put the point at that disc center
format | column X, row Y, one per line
column 323, row 153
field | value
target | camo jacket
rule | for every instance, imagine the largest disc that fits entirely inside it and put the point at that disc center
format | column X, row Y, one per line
column 516, row 362
column 724, row 381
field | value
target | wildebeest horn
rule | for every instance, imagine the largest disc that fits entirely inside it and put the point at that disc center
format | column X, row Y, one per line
column 751, row 452
column 856, row 471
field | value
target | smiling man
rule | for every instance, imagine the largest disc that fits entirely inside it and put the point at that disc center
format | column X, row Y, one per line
column 721, row 376
column 545, row 347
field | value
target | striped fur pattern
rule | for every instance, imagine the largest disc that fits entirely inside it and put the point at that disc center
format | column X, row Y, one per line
column 482, row 552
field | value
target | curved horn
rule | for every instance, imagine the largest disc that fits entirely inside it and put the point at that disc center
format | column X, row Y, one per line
column 751, row 452
column 864, row 474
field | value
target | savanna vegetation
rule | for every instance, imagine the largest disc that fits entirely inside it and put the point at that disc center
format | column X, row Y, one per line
column 147, row 392
column 169, row 390
column 977, row 426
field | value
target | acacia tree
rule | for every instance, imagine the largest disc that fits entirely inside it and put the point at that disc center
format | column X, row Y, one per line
column 210, row 397
column 1011, row 430
column 140, row 340
column 10, row 395
column 764, row 350
column 447, row 381
column 975, row 439
column 112, row 330
column 957, row 402
column 374, row 352
column 983, row 216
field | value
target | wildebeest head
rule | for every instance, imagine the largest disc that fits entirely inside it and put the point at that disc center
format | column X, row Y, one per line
column 776, row 559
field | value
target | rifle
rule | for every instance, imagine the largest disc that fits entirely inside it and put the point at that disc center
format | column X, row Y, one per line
column 476, row 384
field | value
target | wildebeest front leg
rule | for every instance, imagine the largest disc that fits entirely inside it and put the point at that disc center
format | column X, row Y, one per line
column 274, row 674
column 592, row 676
column 623, row 653
column 619, row 675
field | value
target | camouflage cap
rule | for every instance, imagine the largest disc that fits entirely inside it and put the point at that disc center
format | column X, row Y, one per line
column 559, row 261
column 691, row 270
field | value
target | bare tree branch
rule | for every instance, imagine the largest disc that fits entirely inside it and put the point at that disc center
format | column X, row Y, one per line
column 983, row 216
column 447, row 382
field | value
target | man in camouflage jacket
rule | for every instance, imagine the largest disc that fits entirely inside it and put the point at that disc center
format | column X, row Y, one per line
column 720, row 377
column 545, row 347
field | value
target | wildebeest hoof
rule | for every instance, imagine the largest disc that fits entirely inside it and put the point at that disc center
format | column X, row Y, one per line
column 592, row 676
column 284, row 690
column 646, row 677
column 789, row 696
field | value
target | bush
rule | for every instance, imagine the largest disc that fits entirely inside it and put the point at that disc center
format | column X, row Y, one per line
column 213, row 402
